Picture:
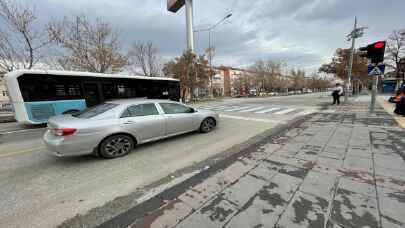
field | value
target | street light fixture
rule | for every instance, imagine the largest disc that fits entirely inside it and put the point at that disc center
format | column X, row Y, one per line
column 210, row 48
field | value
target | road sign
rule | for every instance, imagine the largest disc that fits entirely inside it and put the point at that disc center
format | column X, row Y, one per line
column 376, row 70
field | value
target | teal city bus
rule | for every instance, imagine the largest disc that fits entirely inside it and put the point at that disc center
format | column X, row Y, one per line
column 38, row 95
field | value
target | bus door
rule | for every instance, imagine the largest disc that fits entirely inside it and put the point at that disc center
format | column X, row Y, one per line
column 91, row 93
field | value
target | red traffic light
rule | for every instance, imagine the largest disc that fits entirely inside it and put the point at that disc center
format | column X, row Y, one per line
column 379, row 45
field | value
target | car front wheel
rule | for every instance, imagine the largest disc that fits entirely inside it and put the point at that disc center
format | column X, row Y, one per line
column 207, row 125
column 116, row 146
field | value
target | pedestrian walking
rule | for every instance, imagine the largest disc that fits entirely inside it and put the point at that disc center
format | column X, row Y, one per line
column 337, row 92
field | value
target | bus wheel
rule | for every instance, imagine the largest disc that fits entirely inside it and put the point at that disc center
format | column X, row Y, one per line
column 116, row 146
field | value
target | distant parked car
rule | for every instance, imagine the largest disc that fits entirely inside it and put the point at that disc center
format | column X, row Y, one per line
column 112, row 129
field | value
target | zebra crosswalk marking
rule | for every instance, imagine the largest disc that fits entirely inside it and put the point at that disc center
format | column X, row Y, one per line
column 284, row 111
column 224, row 107
column 237, row 109
column 268, row 110
column 252, row 109
column 303, row 113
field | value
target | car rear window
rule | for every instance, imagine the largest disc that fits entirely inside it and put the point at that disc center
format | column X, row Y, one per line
column 96, row 110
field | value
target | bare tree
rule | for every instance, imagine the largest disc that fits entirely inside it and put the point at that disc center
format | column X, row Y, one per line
column 145, row 57
column 191, row 70
column 396, row 50
column 89, row 46
column 19, row 41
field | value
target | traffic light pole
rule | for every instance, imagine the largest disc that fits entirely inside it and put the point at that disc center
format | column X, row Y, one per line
column 349, row 72
column 373, row 94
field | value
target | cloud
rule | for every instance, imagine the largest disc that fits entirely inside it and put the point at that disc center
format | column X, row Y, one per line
column 302, row 33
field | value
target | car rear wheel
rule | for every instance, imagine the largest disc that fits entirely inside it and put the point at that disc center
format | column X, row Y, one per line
column 207, row 125
column 116, row 146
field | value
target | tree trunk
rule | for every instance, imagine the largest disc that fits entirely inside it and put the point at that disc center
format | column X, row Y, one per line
column 184, row 93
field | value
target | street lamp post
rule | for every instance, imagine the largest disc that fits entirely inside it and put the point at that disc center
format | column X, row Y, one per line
column 356, row 33
column 210, row 48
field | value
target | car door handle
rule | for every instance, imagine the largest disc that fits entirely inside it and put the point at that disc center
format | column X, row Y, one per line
column 129, row 122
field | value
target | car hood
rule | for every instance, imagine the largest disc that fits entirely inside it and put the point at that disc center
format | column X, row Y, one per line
column 207, row 112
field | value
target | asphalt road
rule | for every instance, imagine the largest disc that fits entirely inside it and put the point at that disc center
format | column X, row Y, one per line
column 40, row 190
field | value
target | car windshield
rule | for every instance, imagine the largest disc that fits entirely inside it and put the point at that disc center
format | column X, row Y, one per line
column 96, row 110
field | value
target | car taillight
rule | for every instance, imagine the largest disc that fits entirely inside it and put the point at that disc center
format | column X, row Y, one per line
column 64, row 131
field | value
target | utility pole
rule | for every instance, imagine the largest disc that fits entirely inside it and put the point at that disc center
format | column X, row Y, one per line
column 356, row 33
column 349, row 72
column 189, row 24
column 210, row 49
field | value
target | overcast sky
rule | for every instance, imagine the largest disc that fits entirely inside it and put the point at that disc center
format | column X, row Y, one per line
column 303, row 33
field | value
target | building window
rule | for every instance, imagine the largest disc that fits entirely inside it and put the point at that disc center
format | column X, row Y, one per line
column 5, row 93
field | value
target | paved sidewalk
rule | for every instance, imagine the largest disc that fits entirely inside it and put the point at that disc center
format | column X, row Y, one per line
column 341, row 169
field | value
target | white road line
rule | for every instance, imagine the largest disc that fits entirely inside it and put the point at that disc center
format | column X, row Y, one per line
column 252, row 119
column 252, row 109
column 285, row 111
column 267, row 110
column 224, row 107
column 237, row 109
column 211, row 107
column 303, row 113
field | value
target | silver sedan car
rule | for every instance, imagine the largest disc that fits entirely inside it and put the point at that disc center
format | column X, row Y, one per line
column 112, row 129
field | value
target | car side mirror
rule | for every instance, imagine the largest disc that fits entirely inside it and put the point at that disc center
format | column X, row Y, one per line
column 192, row 110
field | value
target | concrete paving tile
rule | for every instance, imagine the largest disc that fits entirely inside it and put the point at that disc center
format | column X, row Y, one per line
column 308, row 156
column 262, row 210
column 392, row 161
column 284, row 185
column 293, row 147
column 358, row 163
column 288, row 153
column 256, row 156
column 392, row 204
column 326, row 169
column 359, row 152
column 294, row 171
column 356, row 186
column 303, row 138
column 334, row 152
column 381, row 149
column 387, row 222
column 270, row 148
column 389, row 172
column 353, row 210
column 168, row 216
column 266, row 170
column 304, row 211
column 319, row 184
column 360, row 142
column 214, row 214
column 246, row 187
column 233, row 172
column 330, row 162
column 312, row 148
column 199, row 194
column 333, row 155
column 290, row 161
